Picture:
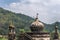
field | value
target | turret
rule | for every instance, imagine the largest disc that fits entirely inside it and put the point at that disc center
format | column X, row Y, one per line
column 56, row 35
column 11, row 34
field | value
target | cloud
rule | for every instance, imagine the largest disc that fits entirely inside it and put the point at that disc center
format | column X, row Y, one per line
column 13, row 5
column 49, row 10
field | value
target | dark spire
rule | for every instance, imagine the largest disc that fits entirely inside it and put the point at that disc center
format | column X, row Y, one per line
column 36, row 16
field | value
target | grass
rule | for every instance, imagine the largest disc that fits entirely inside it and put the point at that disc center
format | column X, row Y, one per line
column 3, row 39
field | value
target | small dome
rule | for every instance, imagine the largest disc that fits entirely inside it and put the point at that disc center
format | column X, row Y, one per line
column 11, row 26
column 37, row 26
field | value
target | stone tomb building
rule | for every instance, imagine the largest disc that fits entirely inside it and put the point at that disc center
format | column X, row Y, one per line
column 36, row 32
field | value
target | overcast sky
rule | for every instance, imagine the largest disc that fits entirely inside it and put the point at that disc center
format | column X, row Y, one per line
column 49, row 10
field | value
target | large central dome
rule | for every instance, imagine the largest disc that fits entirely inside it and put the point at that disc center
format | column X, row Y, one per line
column 37, row 26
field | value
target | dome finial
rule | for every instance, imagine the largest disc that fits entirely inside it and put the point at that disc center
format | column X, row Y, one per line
column 11, row 24
column 37, row 16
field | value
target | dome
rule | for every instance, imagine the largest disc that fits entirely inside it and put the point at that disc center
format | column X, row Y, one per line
column 11, row 26
column 37, row 23
column 37, row 26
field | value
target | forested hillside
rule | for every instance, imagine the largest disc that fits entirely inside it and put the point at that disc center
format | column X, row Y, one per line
column 20, row 21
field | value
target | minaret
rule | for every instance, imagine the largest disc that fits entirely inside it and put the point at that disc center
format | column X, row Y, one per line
column 11, row 34
column 56, row 35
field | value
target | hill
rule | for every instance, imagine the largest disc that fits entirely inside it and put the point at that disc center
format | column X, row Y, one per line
column 20, row 21
column 51, row 27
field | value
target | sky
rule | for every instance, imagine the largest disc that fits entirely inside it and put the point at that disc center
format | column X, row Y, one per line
column 49, row 10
